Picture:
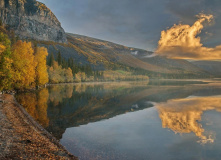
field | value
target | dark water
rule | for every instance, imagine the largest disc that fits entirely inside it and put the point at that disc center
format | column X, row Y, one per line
column 168, row 120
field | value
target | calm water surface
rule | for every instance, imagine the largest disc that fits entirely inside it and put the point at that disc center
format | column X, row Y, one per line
column 168, row 120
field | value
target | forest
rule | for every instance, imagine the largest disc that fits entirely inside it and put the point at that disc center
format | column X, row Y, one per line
column 25, row 65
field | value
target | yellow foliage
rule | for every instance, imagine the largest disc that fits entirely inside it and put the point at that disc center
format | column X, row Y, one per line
column 80, row 76
column 122, row 75
column 24, row 64
column 59, row 75
column 2, row 48
column 41, row 69
column 68, row 75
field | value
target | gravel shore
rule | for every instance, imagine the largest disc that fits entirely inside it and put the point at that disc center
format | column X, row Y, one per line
column 23, row 138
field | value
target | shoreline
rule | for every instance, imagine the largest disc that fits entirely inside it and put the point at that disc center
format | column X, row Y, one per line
column 104, row 82
column 21, row 137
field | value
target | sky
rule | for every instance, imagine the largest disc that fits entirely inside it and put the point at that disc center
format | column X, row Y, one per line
column 137, row 23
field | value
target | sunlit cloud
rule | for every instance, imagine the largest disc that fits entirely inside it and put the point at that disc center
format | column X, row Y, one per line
column 184, row 115
column 182, row 42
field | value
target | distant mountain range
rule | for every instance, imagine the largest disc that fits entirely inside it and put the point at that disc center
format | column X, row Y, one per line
column 32, row 20
column 102, row 54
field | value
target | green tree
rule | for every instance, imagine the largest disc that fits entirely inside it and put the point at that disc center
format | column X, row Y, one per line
column 51, row 60
column 64, row 63
column 59, row 58
column 70, row 62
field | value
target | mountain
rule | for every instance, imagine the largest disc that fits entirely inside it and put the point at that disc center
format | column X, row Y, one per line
column 209, row 66
column 31, row 19
column 106, row 53
column 102, row 55
column 174, row 65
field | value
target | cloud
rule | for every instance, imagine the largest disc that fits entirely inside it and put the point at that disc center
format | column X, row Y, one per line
column 182, row 42
column 185, row 12
column 131, row 22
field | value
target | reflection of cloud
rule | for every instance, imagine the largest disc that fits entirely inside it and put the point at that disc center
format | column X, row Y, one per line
column 181, row 42
column 183, row 115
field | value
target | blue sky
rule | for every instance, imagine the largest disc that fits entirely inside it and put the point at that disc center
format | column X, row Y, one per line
column 135, row 23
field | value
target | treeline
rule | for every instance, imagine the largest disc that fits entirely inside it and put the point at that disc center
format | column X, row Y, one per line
column 59, row 67
column 181, row 74
column 23, row 65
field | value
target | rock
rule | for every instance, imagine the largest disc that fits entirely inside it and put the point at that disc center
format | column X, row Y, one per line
column 31, row 20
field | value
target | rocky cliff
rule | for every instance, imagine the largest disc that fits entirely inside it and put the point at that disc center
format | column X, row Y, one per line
column 31, row 19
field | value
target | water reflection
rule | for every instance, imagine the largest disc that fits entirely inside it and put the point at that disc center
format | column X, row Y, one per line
column 184, row 115
column 59, row 92
column 124, row 120
column 63, row 106
column 36, row 105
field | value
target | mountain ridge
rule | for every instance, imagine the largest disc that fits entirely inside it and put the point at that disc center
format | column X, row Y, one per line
column 103, row 55
column 32, row 20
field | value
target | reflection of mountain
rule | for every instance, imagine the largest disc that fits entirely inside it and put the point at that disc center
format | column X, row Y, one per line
column 91, row 103
column 183, row 115
column 73, row 105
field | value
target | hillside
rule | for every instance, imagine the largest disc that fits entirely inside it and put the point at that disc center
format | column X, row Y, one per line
column 104, row 55
column 209, row 66
column 32, row 20
column 104, row 52
column 174, row 65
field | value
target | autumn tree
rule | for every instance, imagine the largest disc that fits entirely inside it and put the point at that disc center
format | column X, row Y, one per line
column 6, row 72
column 41, row 68
column 57, row 74
column 24, row 64
column 68, row 75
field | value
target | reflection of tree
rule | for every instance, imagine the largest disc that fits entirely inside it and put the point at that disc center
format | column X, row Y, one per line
column 89, row 103
column 183, row 115
column 29, row 101
column 59, row 92
column 42, row 107
column 80, row 88
column 36, row 105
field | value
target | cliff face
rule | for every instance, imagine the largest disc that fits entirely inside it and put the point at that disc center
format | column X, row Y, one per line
column 31, row 20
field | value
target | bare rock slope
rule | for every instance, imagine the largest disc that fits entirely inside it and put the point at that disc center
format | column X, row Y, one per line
column 31, row 19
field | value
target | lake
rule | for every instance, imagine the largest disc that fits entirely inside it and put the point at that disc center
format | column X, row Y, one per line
column 160, row 119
